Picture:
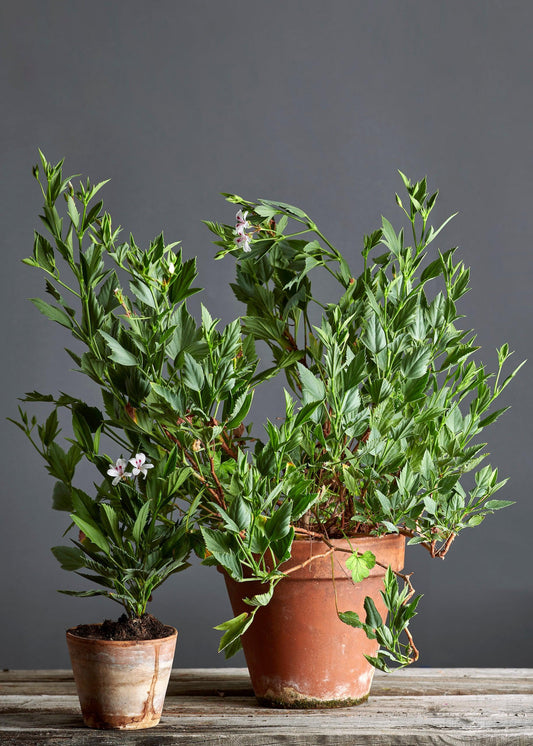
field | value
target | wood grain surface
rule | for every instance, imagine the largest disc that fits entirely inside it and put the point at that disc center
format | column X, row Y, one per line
column 441, row 707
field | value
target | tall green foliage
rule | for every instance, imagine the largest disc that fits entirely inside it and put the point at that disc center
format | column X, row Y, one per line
column 395, row 403
column 168, row 388
column 383, row 417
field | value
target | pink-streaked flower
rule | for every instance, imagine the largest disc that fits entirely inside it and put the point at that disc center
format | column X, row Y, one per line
column 118, row 471
column 242, row 241
column 242, row 223
column 140, row 465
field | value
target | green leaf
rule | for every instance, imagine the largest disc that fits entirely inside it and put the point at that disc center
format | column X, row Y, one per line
column 85, row 594
column 427, row 467
column 171, row 461
column 414, row 389
column 278, row 525
column 53, row 313
column 140, row 523
column 113, row 521
column 351, row 618
column 92, row 532
column 260, row 599
column 312, row 388
column 374, row 337
column 192, row 373
column 71, row 558
column 233, row 629
column 432, row 270
column 351, row 401
column 493, row 417
column 172, row 399
column 220, row 546
column 43, row 253
column 142, row 293
column 240, row 410
column 360, row 565
column 415, row 363
column 72, row 211
column 36, row 396
column 82, row 431
column 373, row 618
column 283, row 207
column 390, row 239
column 497, row 504
column 118, row 353
column 61, row 497
column 430, row 505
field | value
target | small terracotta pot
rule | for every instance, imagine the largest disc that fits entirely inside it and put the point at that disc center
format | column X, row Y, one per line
column 121, row 684
column 299, row 653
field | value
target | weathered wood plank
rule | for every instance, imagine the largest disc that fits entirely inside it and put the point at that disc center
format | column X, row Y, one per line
column 215, row 707
column 436, row 721
column 412, row 682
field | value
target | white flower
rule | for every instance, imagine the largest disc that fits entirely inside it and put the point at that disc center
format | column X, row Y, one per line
column 242, row 222
column 140, row 465
column 242, row 241
column 118, row 471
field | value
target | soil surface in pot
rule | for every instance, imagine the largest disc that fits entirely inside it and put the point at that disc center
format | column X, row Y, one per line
column 146, row 627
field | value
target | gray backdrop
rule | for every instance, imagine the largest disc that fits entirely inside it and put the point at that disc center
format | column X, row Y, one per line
column 314, row 103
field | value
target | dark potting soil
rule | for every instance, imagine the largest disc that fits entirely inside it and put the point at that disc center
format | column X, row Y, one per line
column 146, row 627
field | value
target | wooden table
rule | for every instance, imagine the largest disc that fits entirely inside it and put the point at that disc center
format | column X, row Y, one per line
column 444, row 707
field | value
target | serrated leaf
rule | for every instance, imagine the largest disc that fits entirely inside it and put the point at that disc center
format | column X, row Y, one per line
column 52, row 312
column 118, row 353
column 492, row 417
column 192, row 373
column 278, row 525
column 374, row 337
column 415, row 363
column 312, row 388
column 142, row 292
column 260, row 599
column 360, row 565
column 430, row 505
column 233, row 629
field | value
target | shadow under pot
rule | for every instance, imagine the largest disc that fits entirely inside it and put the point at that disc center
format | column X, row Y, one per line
column 299, row 654
column 121, row 684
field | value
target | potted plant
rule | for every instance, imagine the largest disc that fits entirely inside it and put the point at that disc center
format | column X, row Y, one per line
column 383, row 420
column 162, row 381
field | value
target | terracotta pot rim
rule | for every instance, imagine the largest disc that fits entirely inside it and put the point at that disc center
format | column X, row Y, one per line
column 120, row 643
column 342, row 540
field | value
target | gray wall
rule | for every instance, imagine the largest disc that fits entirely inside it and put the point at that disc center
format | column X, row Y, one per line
column 312, row 103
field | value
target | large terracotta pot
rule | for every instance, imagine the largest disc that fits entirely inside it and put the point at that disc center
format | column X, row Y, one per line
column 121, row 684
column 299, row 653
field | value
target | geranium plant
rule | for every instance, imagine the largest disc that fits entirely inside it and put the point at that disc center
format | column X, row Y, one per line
column 387, row 404
column 171, row 395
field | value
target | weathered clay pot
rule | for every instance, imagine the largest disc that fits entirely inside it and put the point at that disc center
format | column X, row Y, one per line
column 121, row 684
column 299, row 653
